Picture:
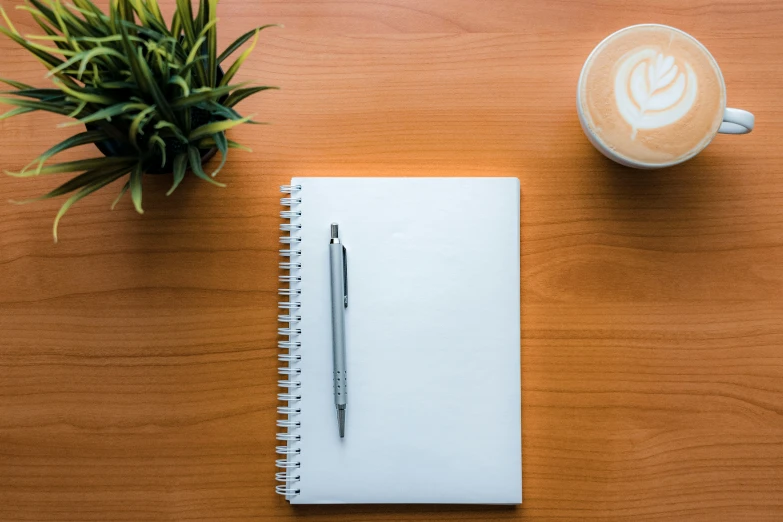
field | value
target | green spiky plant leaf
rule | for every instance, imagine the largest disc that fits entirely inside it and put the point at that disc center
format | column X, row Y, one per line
column 148, row 87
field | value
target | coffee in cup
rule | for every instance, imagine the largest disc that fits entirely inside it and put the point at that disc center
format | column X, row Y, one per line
column 652, row 96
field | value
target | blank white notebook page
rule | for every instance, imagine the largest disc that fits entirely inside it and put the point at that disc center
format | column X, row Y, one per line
column 432, row 341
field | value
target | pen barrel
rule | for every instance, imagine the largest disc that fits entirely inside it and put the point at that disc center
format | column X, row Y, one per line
column 336, row 261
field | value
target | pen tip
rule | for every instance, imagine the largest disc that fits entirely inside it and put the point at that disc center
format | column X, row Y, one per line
column 341, row 421
column 334, row 230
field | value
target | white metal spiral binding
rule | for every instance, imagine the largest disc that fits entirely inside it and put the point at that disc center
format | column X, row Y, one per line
column 290, row 345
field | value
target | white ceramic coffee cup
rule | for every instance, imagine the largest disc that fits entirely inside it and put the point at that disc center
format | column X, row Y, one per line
column 735, row 121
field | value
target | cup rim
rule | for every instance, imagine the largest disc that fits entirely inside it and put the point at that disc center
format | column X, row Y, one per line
column 629, row 161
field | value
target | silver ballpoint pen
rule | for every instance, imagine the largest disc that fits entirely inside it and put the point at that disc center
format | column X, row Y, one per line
column 339, row 276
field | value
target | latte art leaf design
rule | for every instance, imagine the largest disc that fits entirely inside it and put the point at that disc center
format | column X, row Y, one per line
column 648, row 92
column 652, row 90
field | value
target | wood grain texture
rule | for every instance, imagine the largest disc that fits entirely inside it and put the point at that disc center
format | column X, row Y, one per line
column 137, row 357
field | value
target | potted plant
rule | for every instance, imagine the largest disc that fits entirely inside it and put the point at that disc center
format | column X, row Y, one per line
column 150, row 94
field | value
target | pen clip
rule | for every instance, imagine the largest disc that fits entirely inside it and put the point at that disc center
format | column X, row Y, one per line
column 345, row 277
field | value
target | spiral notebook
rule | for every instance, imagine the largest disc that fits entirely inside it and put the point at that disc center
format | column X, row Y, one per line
column 432, row 336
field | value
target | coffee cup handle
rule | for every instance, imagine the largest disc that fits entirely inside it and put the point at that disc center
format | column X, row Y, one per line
column 737, row 121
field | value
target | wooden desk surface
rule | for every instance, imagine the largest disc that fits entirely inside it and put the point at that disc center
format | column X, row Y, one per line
column 137, row 357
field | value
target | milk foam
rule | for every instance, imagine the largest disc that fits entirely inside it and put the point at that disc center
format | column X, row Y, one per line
column 653, row 90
